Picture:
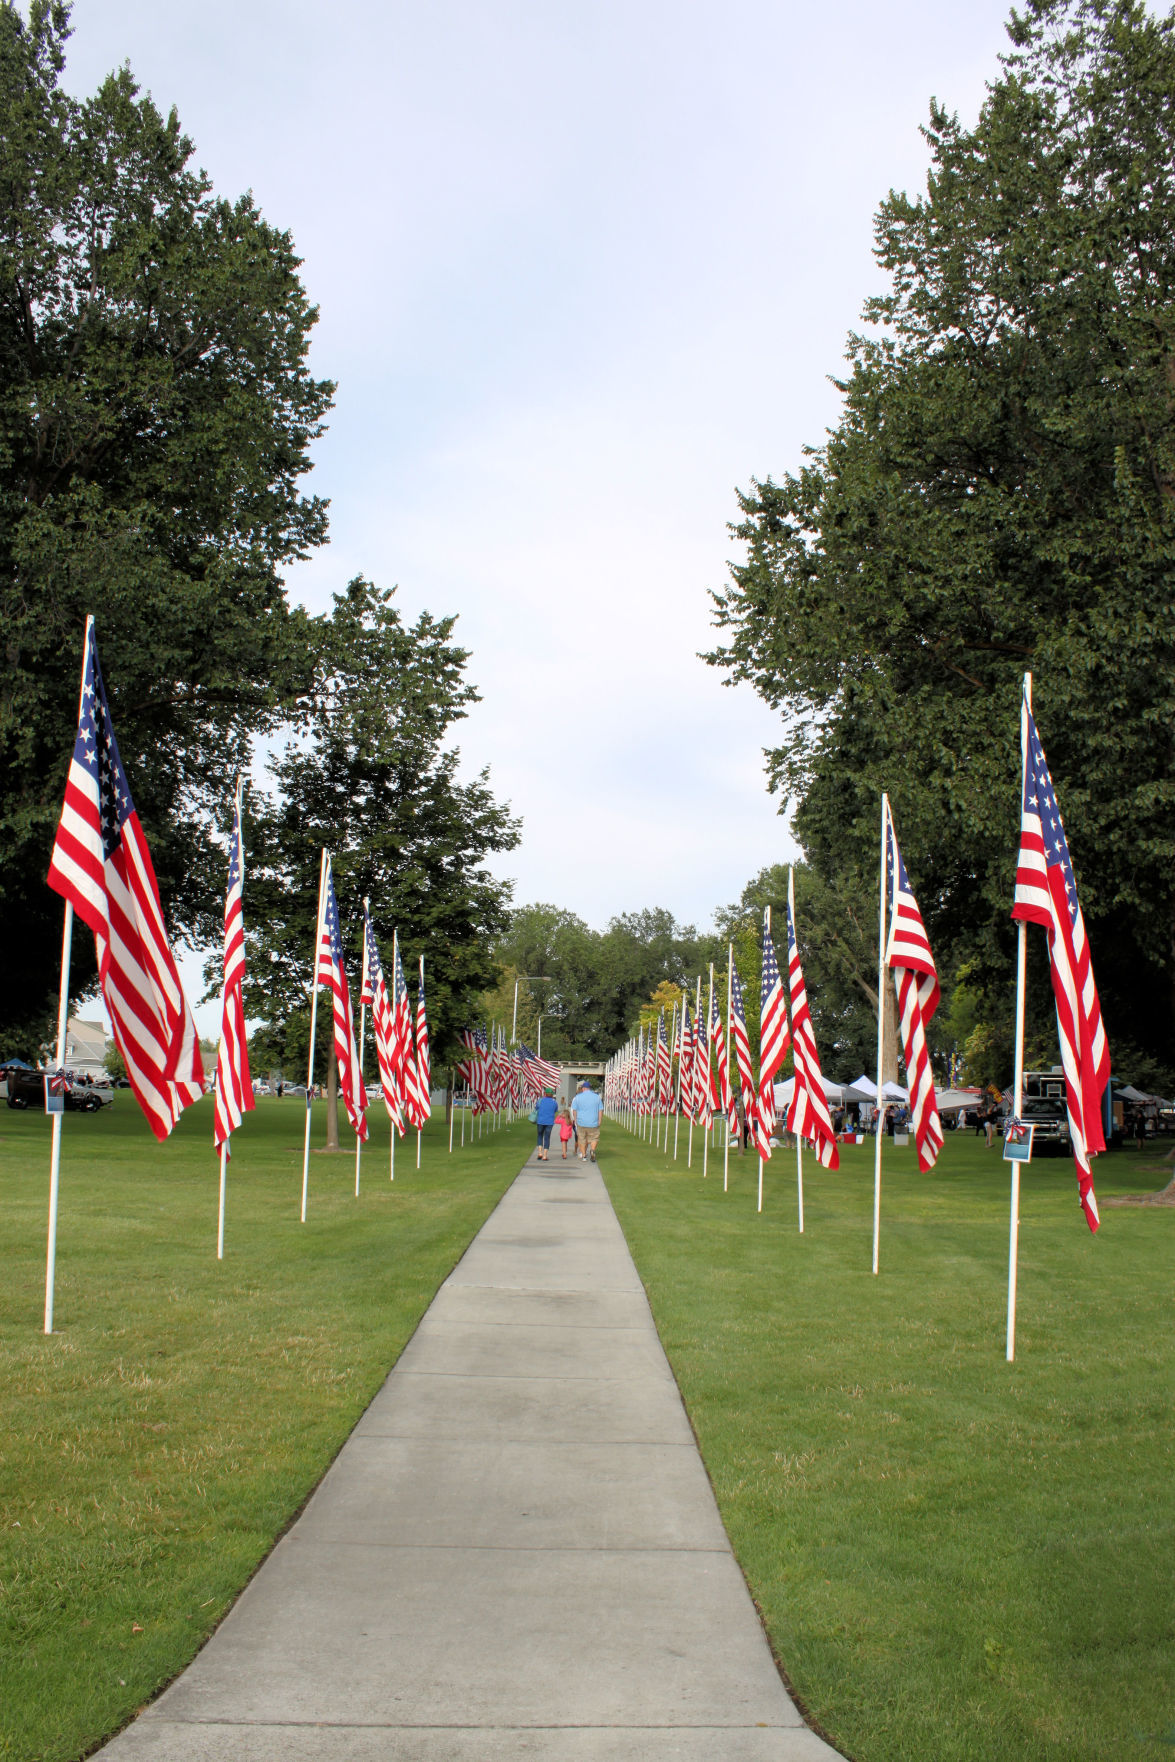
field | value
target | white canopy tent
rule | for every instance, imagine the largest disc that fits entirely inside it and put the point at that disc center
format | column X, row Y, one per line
column 866, row 1090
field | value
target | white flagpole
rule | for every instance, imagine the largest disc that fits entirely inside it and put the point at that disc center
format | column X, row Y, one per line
column 395, row 970
column 877, row 1112
column 762, row 1158
column 731, row 1065
column 1018, row 1078
column 362, row 1029
column 220, row 1209
column 427, row 1098
column 791, row 906
column 62, row 1025
column 693, row 1075
column 313, row 1030
column 709, row 1067
column 677, row 1109
column 55, row 1149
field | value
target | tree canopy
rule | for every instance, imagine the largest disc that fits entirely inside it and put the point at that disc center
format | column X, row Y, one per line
column 371, row 778
column 156, row 418
column 998, row 497
column 156, row 414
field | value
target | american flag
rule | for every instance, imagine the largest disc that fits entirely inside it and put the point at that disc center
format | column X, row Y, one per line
column 808, row 1116
column 102, row 866
column 909, row 958
column 416, row 1098
column 722, row 1099
column 471, row 1070
column 538, row 1073
column 701, row 1068
column 234, row 1087
column 685, row 1060
column 423, row 1059
column 375, row 994
column 664, row 1069
column 332, row 974
column 401, row 1019
column 1046, row 893
column 773, row 1041
column 742, row 1046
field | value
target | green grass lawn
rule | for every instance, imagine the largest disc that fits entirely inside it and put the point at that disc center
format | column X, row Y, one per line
column 158, row 1443
column 957, row 1559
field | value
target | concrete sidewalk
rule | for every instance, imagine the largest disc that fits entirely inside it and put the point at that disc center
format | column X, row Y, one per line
column 516, row 1554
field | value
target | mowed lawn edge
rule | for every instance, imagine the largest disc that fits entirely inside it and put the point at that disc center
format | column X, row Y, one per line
column 156, row 1446
column 956, row 1559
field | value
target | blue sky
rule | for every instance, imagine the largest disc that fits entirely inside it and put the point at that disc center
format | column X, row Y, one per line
column 581, row 272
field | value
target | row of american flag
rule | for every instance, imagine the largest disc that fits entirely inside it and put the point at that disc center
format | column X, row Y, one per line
column 499, row 1078
column 715, row 1077
column 707, row 1051
column 102, row 867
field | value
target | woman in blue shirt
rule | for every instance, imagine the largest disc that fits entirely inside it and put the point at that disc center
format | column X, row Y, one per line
column 545, row 1111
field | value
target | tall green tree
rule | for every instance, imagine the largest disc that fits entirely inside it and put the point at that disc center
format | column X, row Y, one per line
column 156, row 416
column 373, row 779
column 999, row 496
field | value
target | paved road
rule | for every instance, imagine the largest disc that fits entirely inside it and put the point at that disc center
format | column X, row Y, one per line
column 516, row 1554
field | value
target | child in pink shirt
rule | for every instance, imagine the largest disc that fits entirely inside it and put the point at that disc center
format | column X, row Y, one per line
column 564, row 1125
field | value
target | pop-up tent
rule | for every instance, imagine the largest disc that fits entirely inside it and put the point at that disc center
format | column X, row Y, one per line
column 866, row 1090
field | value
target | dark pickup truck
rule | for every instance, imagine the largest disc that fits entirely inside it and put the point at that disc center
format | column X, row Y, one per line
column 1049, row 1121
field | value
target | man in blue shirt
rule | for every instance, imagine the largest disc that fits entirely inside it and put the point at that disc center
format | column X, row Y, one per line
column 545, row 1110
column 586, row 1110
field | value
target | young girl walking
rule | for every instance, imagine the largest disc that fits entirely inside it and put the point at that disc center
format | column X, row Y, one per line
column 564, row 1125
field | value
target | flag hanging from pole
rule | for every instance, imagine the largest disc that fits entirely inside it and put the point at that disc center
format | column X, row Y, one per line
column 1046, row 893
column 908, row 957
column 102, row 865
column 742, row 1047
column 375, row 995
column 332, row 974
column 685, row 1060
column 234, row 1087
column 808, row 1116
column 721, row 1100
column 664, row 1069
column 773, row 1041
column 423, row 1059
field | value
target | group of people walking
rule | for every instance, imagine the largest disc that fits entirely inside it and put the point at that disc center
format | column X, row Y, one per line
column 581, row 1122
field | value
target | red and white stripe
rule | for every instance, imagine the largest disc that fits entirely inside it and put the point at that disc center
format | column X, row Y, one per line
column 742, row 1045
column 378, row 999
column 723, row 1100
column 700, row 1108
column 774, row 1040
column 234, row 1086
column 1046, row 893
column 909, row 958
column 333, row 977
column 102, row 865
column 808, row 1116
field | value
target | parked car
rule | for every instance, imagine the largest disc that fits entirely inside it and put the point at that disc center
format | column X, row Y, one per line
column 27, row 1089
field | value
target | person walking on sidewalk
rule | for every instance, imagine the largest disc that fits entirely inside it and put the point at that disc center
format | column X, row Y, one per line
column 544, row 1113
column 587, row 1108
column 565, row 1130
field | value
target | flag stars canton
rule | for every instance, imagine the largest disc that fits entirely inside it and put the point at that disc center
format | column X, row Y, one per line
column 332, row 926
column 1040, row 799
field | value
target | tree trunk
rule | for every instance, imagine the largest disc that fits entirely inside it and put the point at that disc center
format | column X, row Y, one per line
column 332, row 1099
column 889, row 1061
